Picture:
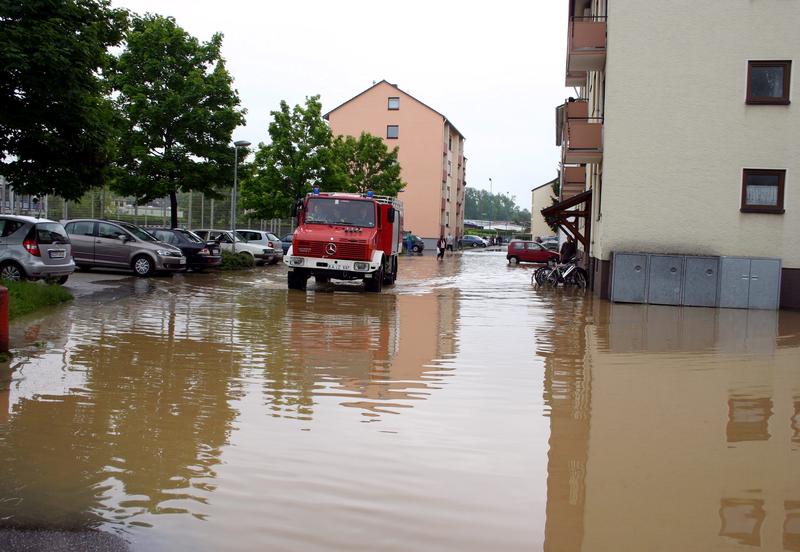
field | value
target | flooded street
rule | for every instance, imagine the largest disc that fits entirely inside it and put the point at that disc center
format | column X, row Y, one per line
column 461, row 409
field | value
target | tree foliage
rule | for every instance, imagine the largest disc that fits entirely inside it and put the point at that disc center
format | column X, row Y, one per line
column 56, row 124
column 298, row 157
column 482, row 205
column 368, row 164
column 179, row 111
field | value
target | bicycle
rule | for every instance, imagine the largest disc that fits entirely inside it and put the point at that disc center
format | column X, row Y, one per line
column 569, row 274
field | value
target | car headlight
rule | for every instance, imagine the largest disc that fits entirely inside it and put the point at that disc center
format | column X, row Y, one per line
column 297, row 261
column 167, row 253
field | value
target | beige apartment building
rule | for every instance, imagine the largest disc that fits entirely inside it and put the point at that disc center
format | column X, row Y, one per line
column 431, row 155
column 681, row 138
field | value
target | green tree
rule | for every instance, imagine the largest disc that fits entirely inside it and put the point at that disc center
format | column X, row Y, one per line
column 179, row 109
column 368, row 164
column 56, row 124
column 299, row 156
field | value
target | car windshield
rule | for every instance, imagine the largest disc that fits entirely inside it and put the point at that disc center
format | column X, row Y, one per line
column 191, row 236
column 349, row 212
column 138, row 232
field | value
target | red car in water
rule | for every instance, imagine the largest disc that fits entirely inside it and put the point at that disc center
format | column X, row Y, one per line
column 529, row 252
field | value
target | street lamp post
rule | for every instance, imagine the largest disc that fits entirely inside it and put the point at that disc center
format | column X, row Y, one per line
column 491, row 202
column 236, row 145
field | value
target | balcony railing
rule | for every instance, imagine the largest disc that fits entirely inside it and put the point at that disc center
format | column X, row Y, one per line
column 583, row 141
column 573, row 181
column 586, row 48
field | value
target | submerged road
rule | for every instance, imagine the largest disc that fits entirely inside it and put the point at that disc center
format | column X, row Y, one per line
column 460, row 409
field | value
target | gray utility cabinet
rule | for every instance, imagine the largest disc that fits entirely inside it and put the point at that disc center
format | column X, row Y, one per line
column 749, row 283
column 732, row 282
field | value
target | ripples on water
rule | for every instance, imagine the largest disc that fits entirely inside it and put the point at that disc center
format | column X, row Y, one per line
column 460, row 409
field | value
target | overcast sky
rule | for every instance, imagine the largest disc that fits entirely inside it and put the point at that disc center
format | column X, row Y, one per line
column 495, row 69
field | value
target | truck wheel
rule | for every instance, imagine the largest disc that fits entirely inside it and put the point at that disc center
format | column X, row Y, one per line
column 390, row 277
column 297, row 280
column 375, row 284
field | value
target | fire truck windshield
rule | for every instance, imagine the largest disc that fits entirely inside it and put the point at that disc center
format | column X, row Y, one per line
column 348, row 212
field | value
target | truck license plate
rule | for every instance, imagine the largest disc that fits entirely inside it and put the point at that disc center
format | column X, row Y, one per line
column 57, row 253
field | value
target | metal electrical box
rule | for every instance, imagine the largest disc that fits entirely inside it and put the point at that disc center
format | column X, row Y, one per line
column 700, row 281
column 665, row 279
column 629, row 278
column 749, row 283
column 728, row 282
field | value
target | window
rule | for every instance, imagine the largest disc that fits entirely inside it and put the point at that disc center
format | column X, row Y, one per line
column 394, row 104
column 392, row 131
column 109, row 231
column 762, row 191
column 450, row 143
column 449, row 168
column 82, row 228
column 10, row 226
column 768, row 82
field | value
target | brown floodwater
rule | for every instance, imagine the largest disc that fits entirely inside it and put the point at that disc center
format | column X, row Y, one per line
column 461, row 409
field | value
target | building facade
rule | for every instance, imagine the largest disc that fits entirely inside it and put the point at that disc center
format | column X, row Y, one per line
column 431, row 155
column 681, row 137
column 541, row 198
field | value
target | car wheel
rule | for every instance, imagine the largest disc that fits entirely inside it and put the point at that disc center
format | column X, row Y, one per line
column 142, row 266
column 12, row 271
column 415, row 249
column 513, row 260
column 474, row 245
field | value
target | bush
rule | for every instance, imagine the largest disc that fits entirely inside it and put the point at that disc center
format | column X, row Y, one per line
column 239, row 261
column 26, row 297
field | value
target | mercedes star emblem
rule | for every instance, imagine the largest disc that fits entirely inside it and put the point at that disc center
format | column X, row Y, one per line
column 330, row 249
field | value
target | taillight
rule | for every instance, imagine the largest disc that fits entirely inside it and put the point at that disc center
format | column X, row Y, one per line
column 32, row 247
column 269, row 243
column 204, row 251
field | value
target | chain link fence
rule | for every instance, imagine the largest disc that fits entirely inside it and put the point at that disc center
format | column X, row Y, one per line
column 195, row 211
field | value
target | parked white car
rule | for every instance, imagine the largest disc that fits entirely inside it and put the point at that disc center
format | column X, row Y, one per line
column 261, row 255
column 265, row 239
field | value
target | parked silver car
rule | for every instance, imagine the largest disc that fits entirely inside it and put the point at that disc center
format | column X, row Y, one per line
column 115, row 244
column 266, row 239
column 34, row 248
column 261, row 254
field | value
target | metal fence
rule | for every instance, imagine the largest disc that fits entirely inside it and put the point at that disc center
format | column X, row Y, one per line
column 194, row 210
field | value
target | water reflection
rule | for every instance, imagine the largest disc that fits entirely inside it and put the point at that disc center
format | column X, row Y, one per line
column 117, row 414
column 665, row 417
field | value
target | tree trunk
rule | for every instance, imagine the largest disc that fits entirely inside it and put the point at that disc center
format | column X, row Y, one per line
column 173, row 207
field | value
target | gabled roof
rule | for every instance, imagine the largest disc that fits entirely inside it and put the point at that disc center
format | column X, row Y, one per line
column 384, row 81
column 545, row 184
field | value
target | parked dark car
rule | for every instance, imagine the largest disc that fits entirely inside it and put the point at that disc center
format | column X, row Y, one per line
column 472, row 241
column 198, row 253
column 286, row 242
column 417, row 244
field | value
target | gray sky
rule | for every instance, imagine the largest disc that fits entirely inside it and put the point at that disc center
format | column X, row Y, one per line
column 495, row 69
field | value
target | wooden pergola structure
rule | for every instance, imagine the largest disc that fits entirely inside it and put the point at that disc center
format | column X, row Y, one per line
column 567, row 220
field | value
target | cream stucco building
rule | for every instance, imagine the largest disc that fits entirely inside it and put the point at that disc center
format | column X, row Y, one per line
column 681, row 136
column 541, row 198
column 431, row 155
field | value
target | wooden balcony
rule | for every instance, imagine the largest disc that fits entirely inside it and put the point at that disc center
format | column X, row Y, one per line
column 586, row 48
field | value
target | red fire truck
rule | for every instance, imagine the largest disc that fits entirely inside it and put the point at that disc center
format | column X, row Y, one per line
column 345, row 237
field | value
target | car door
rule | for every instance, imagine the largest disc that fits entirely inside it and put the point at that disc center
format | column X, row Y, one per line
column 535, row 253
column 82, row 235
column 109, row 249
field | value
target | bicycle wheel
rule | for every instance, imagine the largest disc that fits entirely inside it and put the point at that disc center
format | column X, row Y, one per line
column 540, row 275
column 579, row 278
column 552, row 278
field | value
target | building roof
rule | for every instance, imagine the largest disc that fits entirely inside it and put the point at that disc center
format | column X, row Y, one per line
column 384, row 81
column 545, row 184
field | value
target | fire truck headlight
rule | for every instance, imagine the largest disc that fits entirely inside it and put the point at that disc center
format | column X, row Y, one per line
column 361, row 266
column 297, row 261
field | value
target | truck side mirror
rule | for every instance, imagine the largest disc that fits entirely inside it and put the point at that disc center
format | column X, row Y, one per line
column 390, row 215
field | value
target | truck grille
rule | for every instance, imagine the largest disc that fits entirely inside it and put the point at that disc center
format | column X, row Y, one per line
column 344, row 250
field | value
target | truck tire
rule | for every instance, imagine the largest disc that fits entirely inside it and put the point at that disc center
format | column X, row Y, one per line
column 390, row 276
column 375, row 284
column 298, row 279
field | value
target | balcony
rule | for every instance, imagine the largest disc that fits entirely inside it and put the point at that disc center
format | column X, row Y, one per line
column 573, row 181
column 583, row 141
column 586, row 48
column 580, row 136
